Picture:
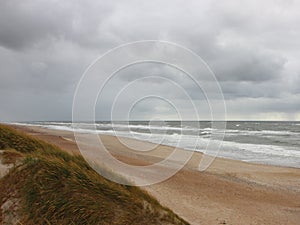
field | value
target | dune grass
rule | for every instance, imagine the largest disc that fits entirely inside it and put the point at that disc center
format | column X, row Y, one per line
column 49, row 186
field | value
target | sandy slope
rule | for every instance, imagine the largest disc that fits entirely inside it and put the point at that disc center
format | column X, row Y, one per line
column 229, row 192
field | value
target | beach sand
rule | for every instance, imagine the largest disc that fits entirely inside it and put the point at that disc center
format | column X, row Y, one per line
column 228, row 192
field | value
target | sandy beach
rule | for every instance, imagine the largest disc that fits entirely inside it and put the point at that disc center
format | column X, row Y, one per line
column 228, row 192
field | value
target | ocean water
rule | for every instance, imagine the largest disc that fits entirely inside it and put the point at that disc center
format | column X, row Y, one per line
column 275, row 143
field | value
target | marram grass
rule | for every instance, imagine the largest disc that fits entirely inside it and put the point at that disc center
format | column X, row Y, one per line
column 49, row 186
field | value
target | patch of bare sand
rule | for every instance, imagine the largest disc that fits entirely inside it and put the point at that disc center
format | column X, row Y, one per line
column 3, row 170
column 9, row 208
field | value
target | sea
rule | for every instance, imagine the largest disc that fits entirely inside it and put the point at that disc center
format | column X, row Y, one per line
column 265, row 142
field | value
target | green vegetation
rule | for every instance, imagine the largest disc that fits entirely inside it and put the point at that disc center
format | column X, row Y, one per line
column 49, row 186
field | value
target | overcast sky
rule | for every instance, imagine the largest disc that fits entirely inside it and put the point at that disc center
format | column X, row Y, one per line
column 252, row 47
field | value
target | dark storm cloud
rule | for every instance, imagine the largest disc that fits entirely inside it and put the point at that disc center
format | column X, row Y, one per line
column 251, row 46
column 30, row 23
column 247, row 65
column 26, row 23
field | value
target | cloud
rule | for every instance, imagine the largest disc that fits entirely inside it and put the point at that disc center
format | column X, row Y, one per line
column 45, row 46
column 29, row 23
column 240, row 64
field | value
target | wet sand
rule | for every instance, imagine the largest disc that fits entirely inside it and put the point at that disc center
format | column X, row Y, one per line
column 228, row 192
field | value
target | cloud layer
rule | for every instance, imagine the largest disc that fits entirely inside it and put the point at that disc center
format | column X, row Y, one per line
column 251, row 46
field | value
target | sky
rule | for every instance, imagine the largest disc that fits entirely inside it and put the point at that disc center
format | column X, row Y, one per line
column 252, row 47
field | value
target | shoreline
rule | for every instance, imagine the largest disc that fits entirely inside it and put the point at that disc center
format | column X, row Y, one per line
column 229, row 191
column 255, row 161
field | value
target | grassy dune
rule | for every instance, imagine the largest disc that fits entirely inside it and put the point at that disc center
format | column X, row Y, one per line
column 48, row 186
